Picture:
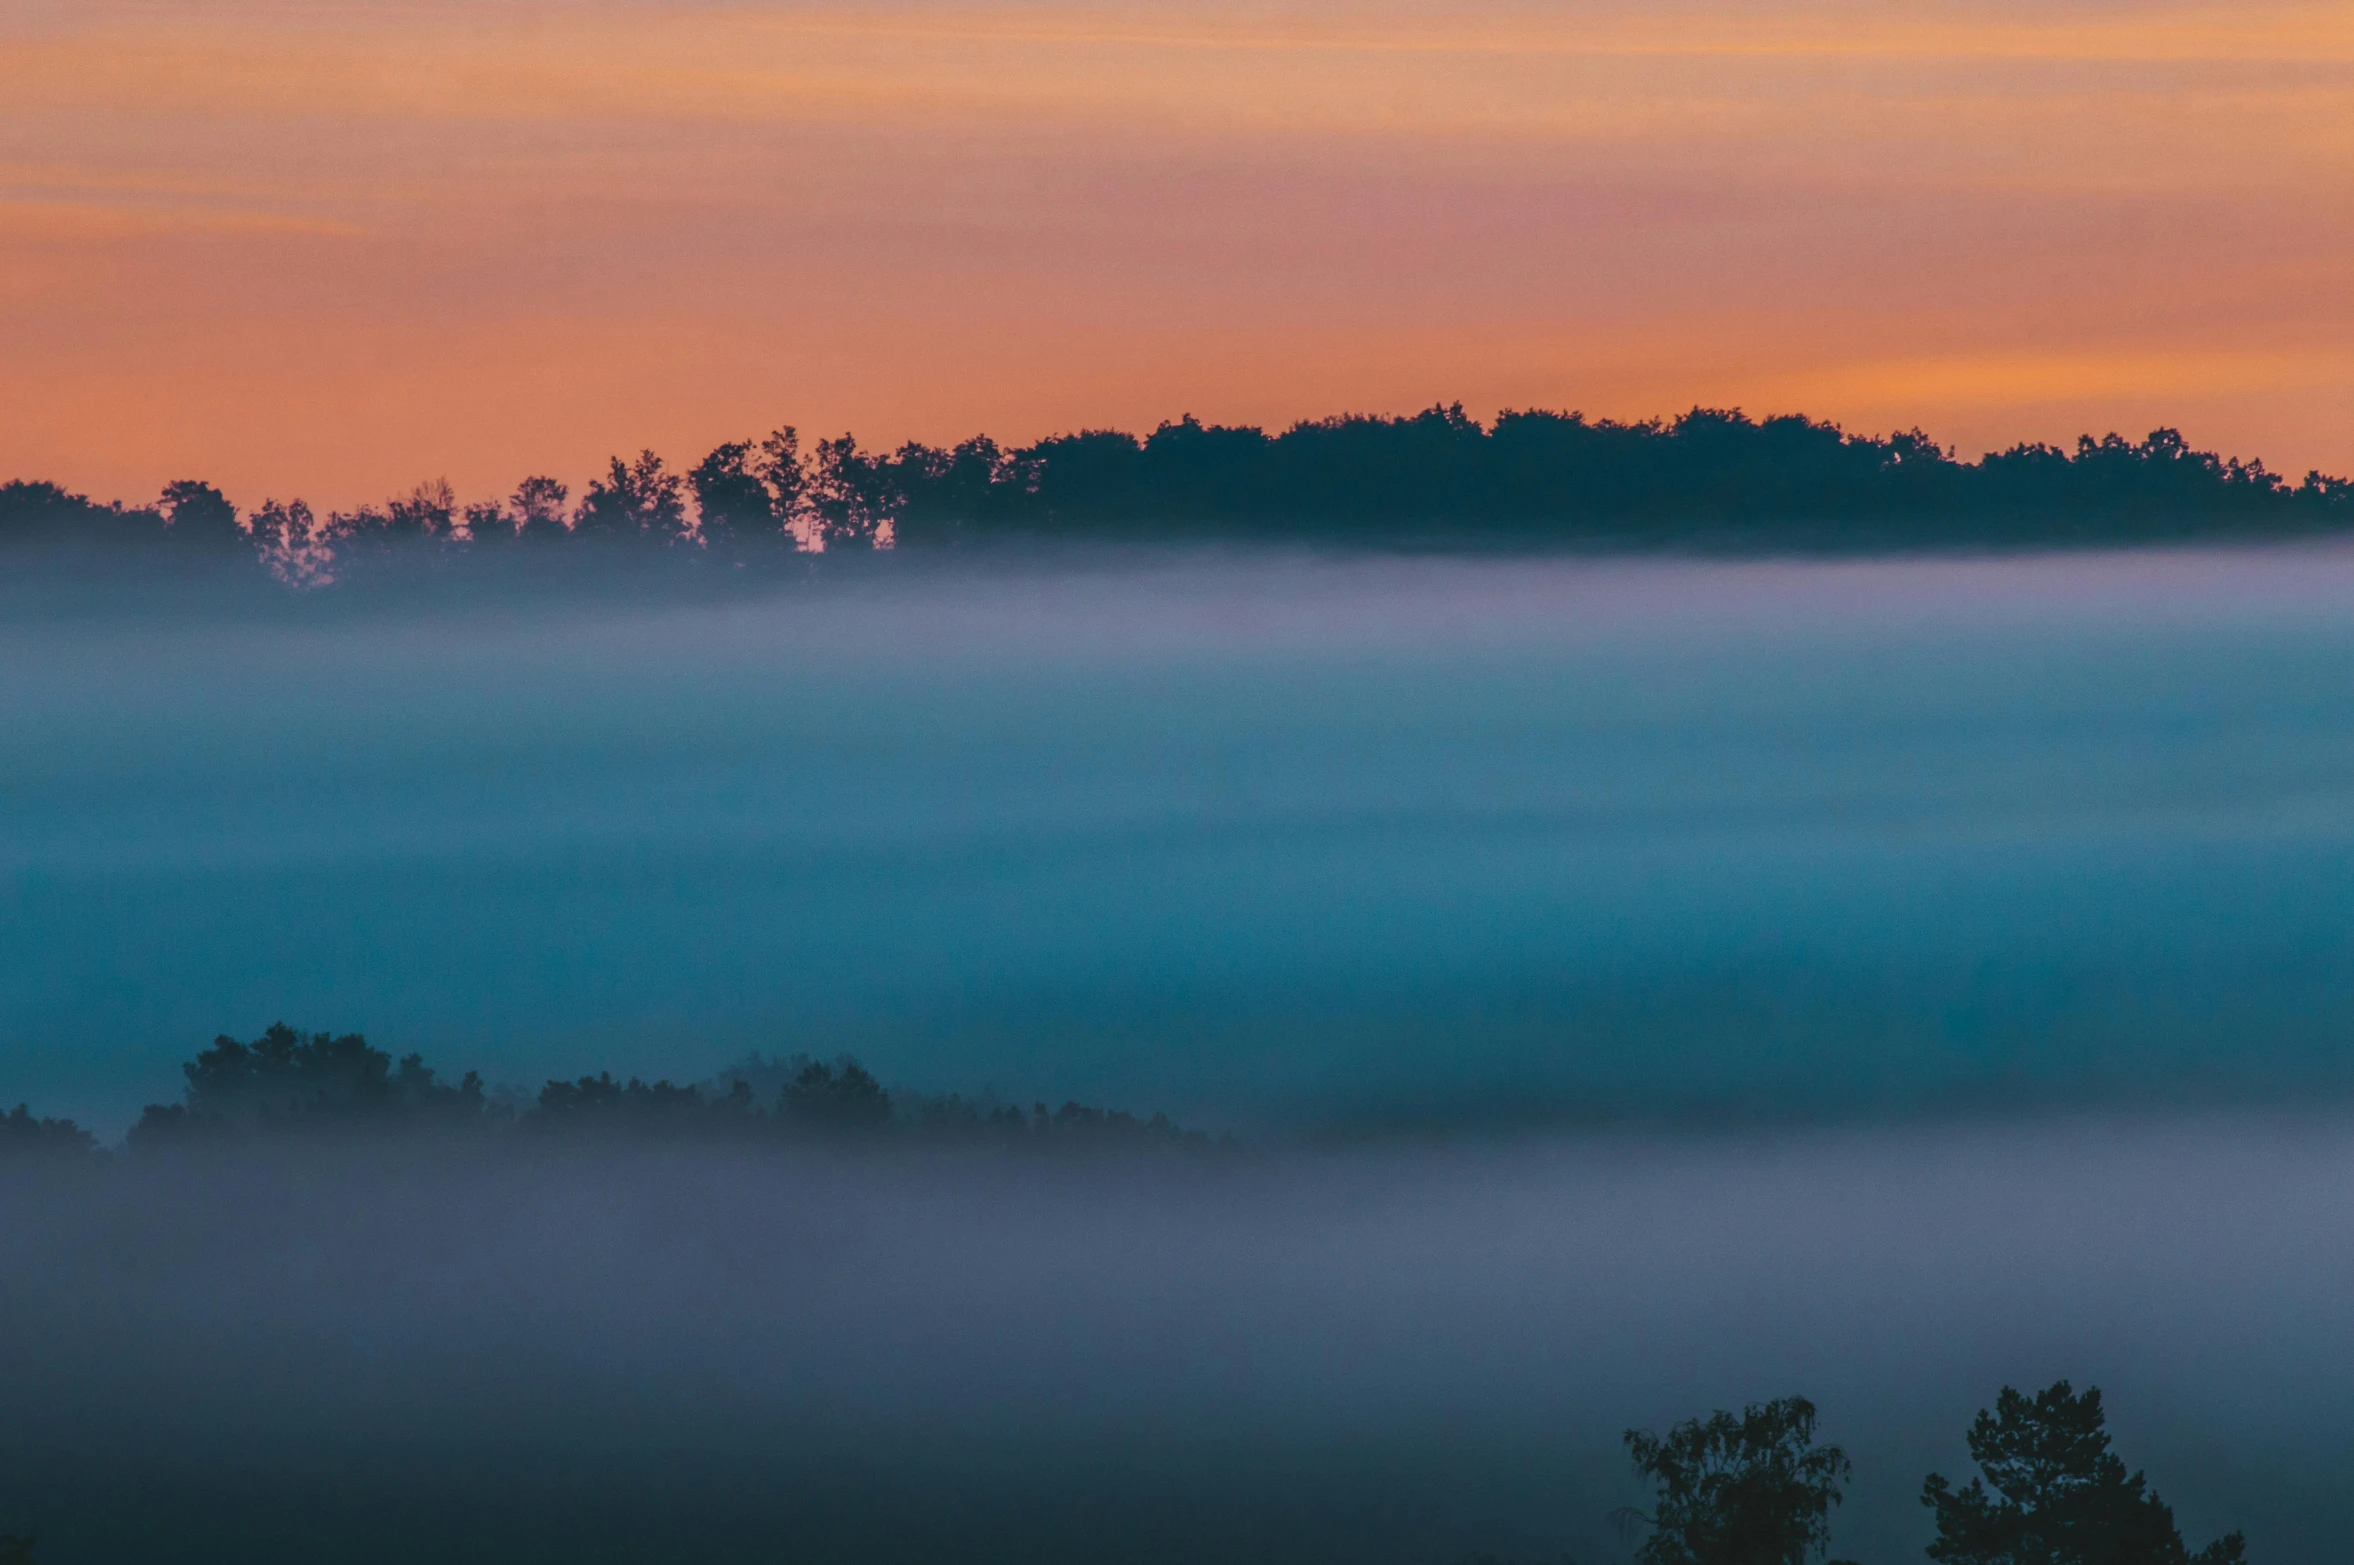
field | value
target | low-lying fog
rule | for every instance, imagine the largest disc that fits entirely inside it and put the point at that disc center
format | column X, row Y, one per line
column 1880, row 981
column 1252, row 839
column 1360, row 1356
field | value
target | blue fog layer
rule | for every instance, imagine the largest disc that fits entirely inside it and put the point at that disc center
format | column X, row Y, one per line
column 1259, row 839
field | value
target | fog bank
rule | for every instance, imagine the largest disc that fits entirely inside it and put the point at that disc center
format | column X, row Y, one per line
column 373, row 1352
column 1263, row 839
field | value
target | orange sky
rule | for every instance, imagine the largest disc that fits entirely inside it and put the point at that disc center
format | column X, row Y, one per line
column 330, row 249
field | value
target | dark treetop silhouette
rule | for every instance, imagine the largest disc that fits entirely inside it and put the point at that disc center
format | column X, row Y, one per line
column 21, row 1134
column 1438, row 478
column 1752, row 1490
column 1756, row 1490
column 2059, row 1495
column 289, row 1082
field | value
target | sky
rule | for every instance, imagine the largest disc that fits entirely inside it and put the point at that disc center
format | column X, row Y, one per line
column 332, row 249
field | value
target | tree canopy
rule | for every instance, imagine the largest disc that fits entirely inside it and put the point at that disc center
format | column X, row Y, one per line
column 2053, row 1493
column 22, row 1134
column 1749, row 1490
column 1434, row 478
column 284, row 1079
column 288, row 1081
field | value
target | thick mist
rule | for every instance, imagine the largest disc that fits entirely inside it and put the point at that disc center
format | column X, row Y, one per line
column 1259, row 839
column 375, row 1351
column 1643, row 986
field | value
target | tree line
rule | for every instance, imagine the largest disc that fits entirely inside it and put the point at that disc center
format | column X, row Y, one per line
column 1757, row 1489
column 1435, row 477
column 289, row 1082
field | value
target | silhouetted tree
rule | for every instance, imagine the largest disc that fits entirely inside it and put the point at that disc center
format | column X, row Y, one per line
column 22, row 1135
column 938, row 494
column 1752, row 1490
column 1433, row 476
column 953, row 1116
column 2059, row 1495
column 199, row 512
column 538, row 506
column 852, row 496
column 293, row 544
column 16, row 1548
column 367, row 526
column 601, row 1106
column 430, row 510
column 284, row 1079
column 287, row 1080
column 487, row 522
column 1539, row 473
column 601, row 1095
column 837, row 1098
column 35, row 505
column 729, row 495
column 1078, row 1124
column 44, row 513
column 640, row 496
column 778, row 467
column 1095, row 476
column 2318, row 492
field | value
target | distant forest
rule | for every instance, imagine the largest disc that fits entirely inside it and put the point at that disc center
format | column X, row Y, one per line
column 1712, row 477
column 287, row 1082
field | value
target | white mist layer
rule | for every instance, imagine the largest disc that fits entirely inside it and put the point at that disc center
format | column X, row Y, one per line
column 1251, row 838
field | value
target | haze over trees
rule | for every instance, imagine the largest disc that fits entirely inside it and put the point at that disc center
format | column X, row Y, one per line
column 1758, row 1487
column 287, row 1082
column 22, row 1134
column 1438, row 478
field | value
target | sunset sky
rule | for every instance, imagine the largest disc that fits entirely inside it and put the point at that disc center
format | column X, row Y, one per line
column 331, row 249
